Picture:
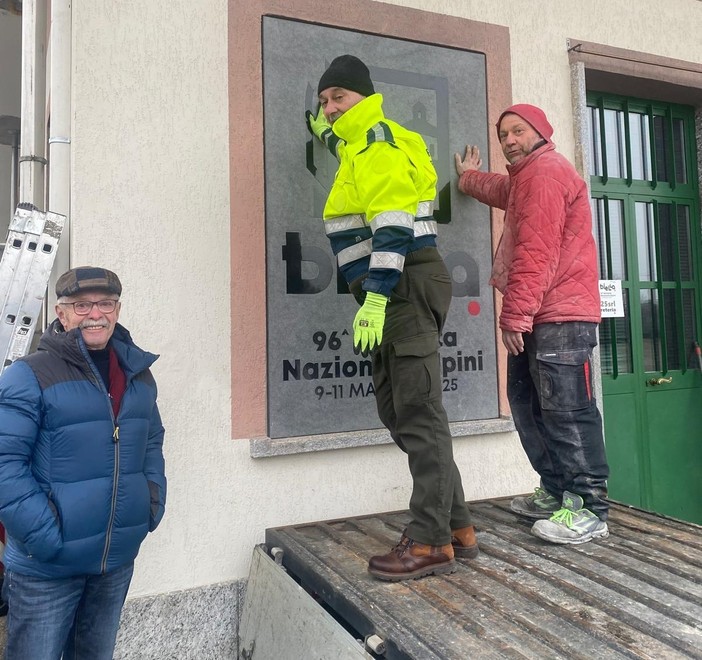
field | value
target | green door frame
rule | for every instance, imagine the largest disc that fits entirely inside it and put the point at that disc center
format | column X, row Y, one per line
column 625, row 378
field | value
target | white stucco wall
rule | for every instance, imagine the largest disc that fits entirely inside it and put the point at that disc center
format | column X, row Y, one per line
column 150, row 198
column 539, row 30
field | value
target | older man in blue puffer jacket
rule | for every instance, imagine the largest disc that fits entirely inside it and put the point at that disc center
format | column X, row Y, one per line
column 81, row 474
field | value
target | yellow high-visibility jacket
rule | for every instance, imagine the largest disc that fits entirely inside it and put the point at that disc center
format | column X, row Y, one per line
column 380, row 206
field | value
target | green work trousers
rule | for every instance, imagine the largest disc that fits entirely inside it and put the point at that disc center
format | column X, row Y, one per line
column 407, row 381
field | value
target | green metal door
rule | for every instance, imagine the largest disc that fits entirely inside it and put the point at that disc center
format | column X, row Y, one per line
column 645, row 201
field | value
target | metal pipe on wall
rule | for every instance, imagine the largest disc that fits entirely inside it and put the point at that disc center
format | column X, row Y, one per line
column 32, row 160
column 14, row 172
column 60, row 132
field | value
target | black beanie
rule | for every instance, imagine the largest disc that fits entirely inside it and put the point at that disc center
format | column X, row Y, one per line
column 348, row 72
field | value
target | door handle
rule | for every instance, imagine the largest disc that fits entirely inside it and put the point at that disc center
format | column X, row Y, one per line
column 659, row 381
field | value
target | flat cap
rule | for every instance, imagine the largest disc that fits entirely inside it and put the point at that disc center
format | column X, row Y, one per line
column 87, row 278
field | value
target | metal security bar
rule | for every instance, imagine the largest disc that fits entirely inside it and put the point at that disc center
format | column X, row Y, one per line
column 641, row 155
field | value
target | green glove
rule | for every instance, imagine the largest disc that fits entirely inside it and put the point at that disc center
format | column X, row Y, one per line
column 368, row 324
column 319, row 126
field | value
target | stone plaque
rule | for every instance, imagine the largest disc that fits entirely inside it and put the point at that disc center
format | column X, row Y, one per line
column 316, row 384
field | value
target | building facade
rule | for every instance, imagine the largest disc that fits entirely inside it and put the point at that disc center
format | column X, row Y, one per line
column 181, row 154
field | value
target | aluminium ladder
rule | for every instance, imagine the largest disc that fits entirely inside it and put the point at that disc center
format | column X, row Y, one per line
column 26, row 264
column 27, row 259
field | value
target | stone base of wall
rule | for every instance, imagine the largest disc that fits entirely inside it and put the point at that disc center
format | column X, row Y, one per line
column 198, row 623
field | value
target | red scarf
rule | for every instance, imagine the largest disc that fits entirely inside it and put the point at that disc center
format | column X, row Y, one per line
column 118, row 382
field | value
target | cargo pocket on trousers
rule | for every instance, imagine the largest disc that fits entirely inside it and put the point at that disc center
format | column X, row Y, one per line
column 415, row 369
column 565, row 382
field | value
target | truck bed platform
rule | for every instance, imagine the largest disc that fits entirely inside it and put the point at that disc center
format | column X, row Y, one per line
column 637, row 594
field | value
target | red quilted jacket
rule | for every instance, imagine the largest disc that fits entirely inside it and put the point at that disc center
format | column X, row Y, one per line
column 546, row 262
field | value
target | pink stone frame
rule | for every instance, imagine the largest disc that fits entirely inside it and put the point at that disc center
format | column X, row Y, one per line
column 248, row 258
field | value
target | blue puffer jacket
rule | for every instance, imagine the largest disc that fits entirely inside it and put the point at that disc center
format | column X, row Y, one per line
column 79, row 490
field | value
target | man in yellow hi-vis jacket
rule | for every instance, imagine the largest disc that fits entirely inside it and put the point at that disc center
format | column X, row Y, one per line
column 378, row 218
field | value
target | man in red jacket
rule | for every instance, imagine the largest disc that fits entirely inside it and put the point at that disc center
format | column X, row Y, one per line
column 546, row 269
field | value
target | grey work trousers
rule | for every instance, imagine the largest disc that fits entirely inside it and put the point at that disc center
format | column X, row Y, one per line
column 549, row 387
column 407, row 381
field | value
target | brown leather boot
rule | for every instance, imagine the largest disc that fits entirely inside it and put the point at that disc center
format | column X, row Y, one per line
column 464, row 543
column 412, row 560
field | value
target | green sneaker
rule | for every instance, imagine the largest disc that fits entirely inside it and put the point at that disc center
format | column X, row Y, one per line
column 572, row 524
column 541, row 504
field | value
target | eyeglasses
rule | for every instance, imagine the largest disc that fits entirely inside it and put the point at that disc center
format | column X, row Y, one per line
column 84, row 307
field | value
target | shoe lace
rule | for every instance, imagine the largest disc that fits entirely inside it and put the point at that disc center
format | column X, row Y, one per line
column 564, row 516
column 539, row 494
column 402, row 546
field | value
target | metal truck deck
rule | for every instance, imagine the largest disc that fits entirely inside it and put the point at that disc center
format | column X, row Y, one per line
column 637, row 594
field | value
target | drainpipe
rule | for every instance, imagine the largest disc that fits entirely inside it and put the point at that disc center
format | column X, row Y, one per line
column 14, row 174
column 60, row 133
column 32, row 160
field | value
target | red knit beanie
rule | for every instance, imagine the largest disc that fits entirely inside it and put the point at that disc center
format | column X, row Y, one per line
column 530, row 113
